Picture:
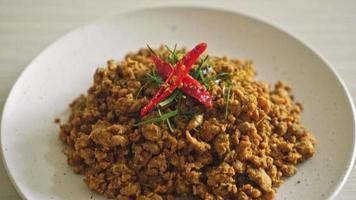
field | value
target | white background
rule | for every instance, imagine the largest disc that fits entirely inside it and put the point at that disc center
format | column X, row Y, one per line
column 28, row 26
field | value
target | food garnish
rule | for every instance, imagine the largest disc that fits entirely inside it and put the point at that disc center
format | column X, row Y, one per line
column 174, row 79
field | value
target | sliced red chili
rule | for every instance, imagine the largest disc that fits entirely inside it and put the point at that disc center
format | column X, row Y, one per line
column 175, row 78
column 190, row 86
column 163, row 68
column 194, row 89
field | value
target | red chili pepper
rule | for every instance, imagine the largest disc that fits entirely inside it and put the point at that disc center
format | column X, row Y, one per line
column 194, row 89
column 191, row 86
column 163, row 68
column 175, row 78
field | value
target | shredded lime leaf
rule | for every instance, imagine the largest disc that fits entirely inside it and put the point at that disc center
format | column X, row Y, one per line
column 189, row 114
column 198, row 72
column 158, row 119
column 173, row 58
column 155, row 77
column 222, row 75
column 151, row 50
column 140, row 90
column 227, row 99
column 167, row 121
column 169, row 100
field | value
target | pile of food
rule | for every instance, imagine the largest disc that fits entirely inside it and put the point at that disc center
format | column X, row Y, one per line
column 170, row 124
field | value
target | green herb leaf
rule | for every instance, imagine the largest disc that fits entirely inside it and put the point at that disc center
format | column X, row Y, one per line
column 158, row 119
column 189, row 114
column 222, row 75
column 173, row 58
column 169, row 100
column 179, row 101
column 140, row 90
column 167, row 121
column 227, row 99
column 198, row 72
column 155, row 77
column 151, row 50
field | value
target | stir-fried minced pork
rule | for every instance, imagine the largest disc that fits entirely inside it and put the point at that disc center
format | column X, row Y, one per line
column 240, row 149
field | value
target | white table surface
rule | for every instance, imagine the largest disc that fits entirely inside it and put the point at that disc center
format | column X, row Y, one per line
column 28, row 26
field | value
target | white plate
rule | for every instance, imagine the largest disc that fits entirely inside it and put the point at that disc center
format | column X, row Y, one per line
column 32, row 152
